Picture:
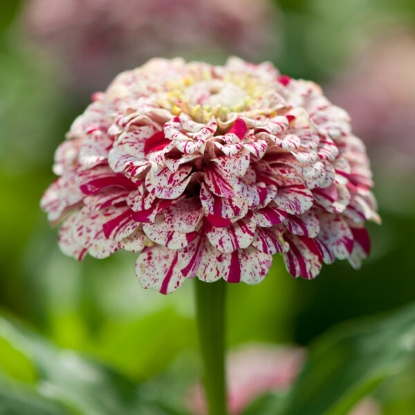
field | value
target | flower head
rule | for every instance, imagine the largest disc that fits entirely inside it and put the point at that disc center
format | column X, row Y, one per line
column 209, row 171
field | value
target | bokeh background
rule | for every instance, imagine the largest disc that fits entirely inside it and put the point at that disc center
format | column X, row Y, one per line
column 55, row 53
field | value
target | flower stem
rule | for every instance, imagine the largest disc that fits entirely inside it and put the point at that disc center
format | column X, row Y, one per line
column 210, row 311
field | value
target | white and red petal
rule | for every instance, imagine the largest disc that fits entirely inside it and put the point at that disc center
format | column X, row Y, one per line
column 93, row 181
column 221, row 209
column 236, row 165
column 304, row 257
column 118, row 223
column 127, row 155
column 190, row 257
column 67, row 242
column 94, row 150
column 269, row 216
column 361, row 247
column 228, row 239
column 248, row 265
column 157, row 267
column 294, row 199
column 62, row 195
column 89, row 233
column 209, row 268
column 166, row 184
column 269, row 240
column 306, row 224
column 106, row 198
column 185, row 215
column 257, row 147
column 334, row 198
column 336, row 235
column 218, row 181
column 165, row 234
column 135, row 242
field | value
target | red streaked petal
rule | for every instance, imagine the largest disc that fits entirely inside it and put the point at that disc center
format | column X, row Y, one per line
column 294, row 199
column 238, row 235
column 157, row 267
column 306, row 224
column 304, row 258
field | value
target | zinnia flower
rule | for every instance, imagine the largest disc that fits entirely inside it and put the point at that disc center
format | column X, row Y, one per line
column 209, row 171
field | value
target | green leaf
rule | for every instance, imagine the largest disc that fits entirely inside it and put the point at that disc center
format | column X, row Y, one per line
column 345, row 365
column 18, row 400
column 85, row 386
column 349, row 362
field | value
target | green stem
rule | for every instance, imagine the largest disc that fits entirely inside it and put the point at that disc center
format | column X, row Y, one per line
column 210, row 311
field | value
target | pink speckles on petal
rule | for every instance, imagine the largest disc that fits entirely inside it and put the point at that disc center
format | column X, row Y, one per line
column 269, row 241
column 248, row 265
column 304, row 258
column 294, row 199
column 165, row 234
column 185, row 215
column 157, row 268
column 238, row 235
column 269, row 216
column 336, row 235
column 67, row 242
column 218, row 182
column 88, row 232
column 306, row 224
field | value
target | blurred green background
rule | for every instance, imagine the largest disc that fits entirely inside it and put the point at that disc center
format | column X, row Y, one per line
column 55, row 53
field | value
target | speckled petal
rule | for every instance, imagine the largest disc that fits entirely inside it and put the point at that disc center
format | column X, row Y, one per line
column 94, row 150
column 236, row 165
column 294, row 199
column 157, row 268
column 67, row 242
column 168, row 185
column 306, row 224
column 238, row 235
column 269, row 240
column 88, row 232
column 304, row 258
column 135, row 242
column 164, row 234
column 62, row 195
column 248, row 265
column 218, row 182
column 336, row 235
column 269, row 216
column 185, row 215
column 209, row 268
